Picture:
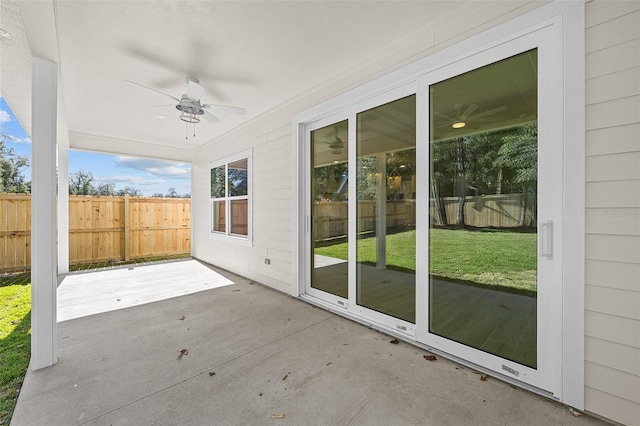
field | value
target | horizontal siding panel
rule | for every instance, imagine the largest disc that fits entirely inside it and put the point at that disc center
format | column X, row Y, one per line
column 614, row 194
column 277, row 153
column 612, row 328
column 614, row 32
column 278, row 224
column 282, row 164
column 262, row 183
column 613, row 221
column 625, row 166
column 598, row 12
column 623, row 276
column 613, row 86
column 612, row 407
column 623, row 303
column 614, row 382
column 282, row 132
column 613, row 140
column 613, row 355
column 614, row 59
column 613, row 113
column 268, row 243
column 617, row 248
column 272, row 204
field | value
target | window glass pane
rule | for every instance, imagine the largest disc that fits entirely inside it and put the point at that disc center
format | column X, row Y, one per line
column 219, row 214
column 238, row 178
column 329, row 203
column 217, row 182
column 483, row 203
column 386, row 208
column 239, row 217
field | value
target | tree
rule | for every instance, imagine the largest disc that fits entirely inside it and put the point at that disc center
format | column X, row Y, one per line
column 129, row 190
column 158, row 195
column 81, row 183
column 11, row 167
column 172, row 193
column 106, row 188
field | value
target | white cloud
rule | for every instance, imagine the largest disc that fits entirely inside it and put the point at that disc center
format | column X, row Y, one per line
column 20, row 140
column 156, row 167
column 129, row 180
column 5, row 117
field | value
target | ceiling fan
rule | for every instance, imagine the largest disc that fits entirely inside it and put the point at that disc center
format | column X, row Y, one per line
column 189, row 105
column 336, row 145
column 468, row 116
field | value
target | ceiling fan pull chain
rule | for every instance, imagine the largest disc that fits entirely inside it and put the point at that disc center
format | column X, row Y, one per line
column 194, row 130
column 186, row 132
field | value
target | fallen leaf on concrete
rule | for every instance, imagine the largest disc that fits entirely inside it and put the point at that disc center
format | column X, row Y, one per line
column 278, row 416
column 394, row 341
column 250, row 282
column 429, row 357
column 183, row 352
column 285, row 377
column 329, row 363
column 574, row 413
column 484, row 377
column 260, row 394
column 235, row 290
column 212, row 373
column 182, row 318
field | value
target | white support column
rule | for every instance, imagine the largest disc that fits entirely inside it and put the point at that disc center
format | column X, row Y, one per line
column 43, row 215
column 63, row 210
column 381, row 213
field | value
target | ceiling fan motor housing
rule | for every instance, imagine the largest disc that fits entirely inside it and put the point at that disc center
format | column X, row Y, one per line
column 190, row 109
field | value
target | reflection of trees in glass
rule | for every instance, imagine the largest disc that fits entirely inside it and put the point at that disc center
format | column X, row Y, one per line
column 500, row 162
column 238, row 182
column 330, row 182
column 217, row 182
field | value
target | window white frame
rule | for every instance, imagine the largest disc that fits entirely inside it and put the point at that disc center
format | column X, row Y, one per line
column 564, row 24
column 227, row 235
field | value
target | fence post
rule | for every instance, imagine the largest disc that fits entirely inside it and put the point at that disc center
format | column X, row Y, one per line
column 126, row 227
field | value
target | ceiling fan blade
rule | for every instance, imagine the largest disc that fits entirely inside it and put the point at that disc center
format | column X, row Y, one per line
column 194, row 90
column 225, row 108
column 446, row 117
column 154, row 90
column 468, row 111
column 488, row 112
column 210, row 117
column 162, row 106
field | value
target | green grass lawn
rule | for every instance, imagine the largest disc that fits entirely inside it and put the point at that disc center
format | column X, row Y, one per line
column 485, row 257
column 15, row 339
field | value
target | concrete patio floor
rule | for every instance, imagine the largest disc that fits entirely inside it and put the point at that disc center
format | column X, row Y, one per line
column 256, row 356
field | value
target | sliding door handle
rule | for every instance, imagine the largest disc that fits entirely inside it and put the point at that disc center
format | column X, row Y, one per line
column 547, row 239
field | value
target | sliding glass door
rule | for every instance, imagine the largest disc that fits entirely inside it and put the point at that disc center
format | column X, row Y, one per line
column 432, row 209
column 483, row 174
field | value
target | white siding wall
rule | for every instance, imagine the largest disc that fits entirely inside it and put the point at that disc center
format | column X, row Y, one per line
column 612, row 317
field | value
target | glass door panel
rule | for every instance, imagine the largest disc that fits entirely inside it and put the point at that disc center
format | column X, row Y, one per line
column 386, row 208
column 329, row 209
column 483, row 209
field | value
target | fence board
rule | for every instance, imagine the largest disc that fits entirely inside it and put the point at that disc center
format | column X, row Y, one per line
column 97, row 228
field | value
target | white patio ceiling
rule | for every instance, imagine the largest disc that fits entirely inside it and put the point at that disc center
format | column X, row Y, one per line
column 258, row 55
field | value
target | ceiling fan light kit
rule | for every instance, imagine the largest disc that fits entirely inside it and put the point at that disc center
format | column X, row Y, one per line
column 191, row 110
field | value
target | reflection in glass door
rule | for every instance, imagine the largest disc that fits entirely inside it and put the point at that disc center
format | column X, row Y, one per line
column 483, row 209
column 329, row 209
column 386, row 209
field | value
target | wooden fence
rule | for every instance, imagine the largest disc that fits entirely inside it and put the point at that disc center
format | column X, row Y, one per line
column 498, row 211
column 100, row 229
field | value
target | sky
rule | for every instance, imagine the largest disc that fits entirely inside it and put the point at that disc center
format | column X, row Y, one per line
column 148, row 175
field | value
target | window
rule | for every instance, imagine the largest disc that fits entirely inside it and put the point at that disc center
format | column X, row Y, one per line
column 230, row 201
